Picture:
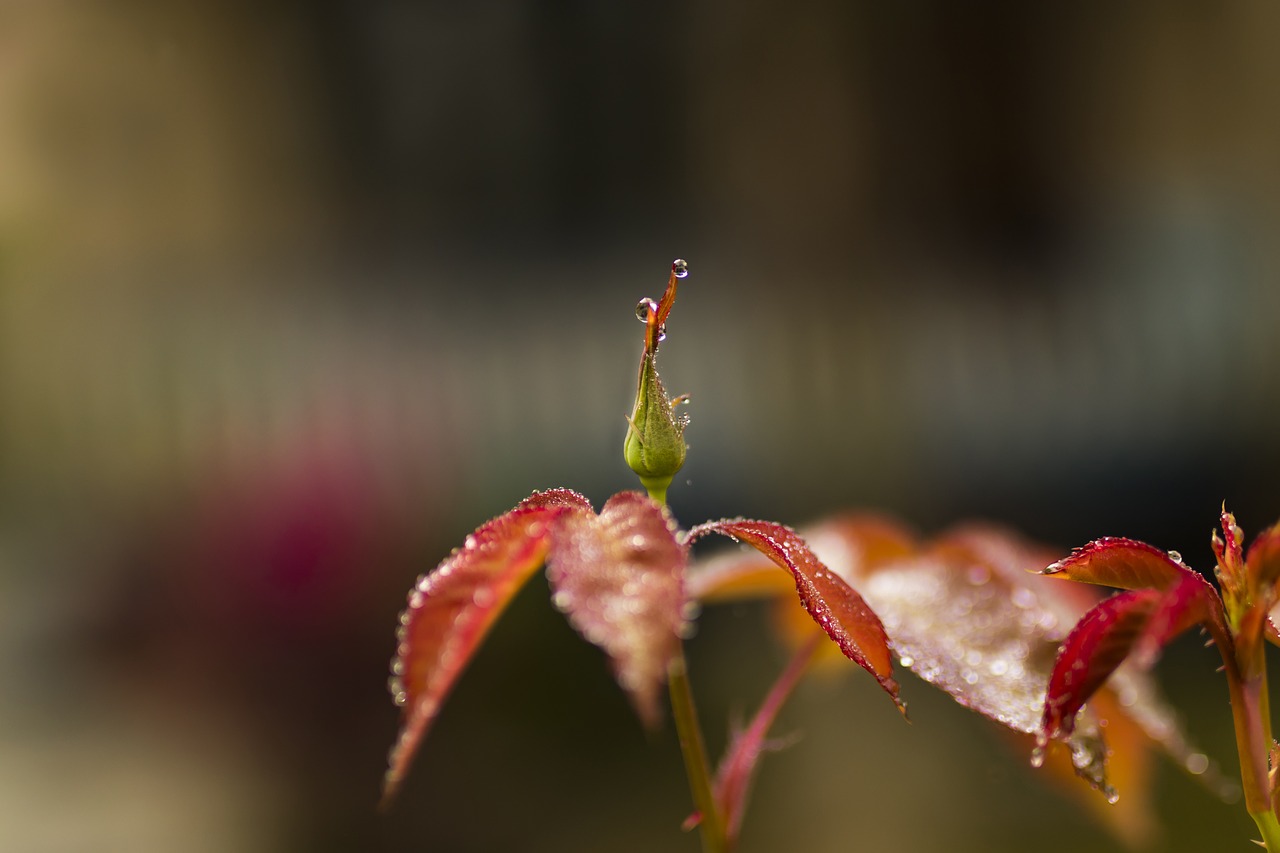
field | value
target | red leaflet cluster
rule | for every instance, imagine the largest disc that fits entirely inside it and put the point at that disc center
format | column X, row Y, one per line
column 619, row 578
column 1163, row 598
column 968, row 613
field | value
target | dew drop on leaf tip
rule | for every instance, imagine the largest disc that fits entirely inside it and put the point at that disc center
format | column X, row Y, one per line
column 644, row 308
column 680, row 267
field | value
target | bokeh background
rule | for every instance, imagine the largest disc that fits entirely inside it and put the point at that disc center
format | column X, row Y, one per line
column 295, row 294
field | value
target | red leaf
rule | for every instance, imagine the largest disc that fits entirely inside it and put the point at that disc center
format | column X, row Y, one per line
column 1192, row 601
column 451, row 610
column 1096, row 646
column 619, row 578
column 1133, row 565
column 855, row 545
column 1122, row 563
column 833, row 604
column 1263, row 560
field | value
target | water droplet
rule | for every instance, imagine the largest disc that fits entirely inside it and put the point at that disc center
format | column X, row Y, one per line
column 644, row 308
column 482, row 597
column 906, row 661
column 1197, row 763
column 400, row 698
column 680, row 267
column 1113, row 796
column 470, row 541
column 562, row 600
column 1037, row 756
column 1175, row 556
column 662, row 333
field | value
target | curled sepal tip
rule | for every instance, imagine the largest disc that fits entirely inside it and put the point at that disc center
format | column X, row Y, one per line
column 654, row 447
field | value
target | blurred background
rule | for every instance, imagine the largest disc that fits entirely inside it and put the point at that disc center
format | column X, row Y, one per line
column 294, row 295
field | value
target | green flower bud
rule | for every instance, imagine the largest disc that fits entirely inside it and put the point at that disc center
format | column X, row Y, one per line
column 654, row 446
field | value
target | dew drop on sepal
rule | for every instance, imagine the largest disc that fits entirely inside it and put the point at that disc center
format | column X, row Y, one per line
column 680, row 267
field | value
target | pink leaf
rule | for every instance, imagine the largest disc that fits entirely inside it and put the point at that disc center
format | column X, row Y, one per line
column 833, row 604
column 619, row 578
column 452, row 609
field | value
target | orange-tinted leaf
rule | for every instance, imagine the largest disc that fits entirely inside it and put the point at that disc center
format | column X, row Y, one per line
column 735, row 576
column 619, row 577
column 833, row 604
column 451, row 610
column 1123, row 563
column 1095, row 647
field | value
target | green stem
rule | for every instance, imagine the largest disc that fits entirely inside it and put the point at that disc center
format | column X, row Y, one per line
column 1269, row 827
column 692, row 744
column 696, row 766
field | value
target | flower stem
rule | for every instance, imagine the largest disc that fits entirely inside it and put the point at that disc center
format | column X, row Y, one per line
column 1253, row 749
column 696, row 766
column 1269, row 827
